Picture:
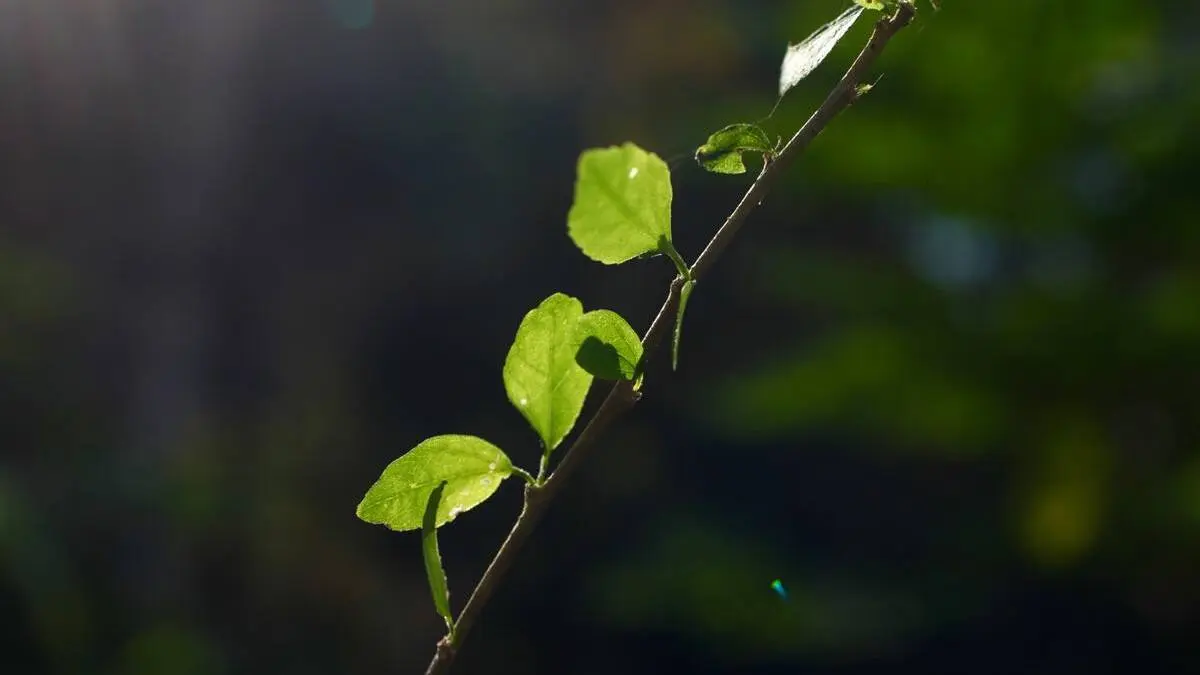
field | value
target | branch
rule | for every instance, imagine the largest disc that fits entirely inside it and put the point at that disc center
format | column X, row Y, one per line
column 622, row 397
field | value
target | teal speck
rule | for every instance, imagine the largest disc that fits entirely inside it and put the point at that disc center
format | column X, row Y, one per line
column 354, row 14
column 777, row 586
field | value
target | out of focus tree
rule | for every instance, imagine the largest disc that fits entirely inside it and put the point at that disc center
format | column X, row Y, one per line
column 944, row 387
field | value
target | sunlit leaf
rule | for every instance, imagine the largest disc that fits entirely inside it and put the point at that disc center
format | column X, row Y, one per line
column 608, row 346
column 622, row 204
column 471, row 467
column 722, row 153
column 433, row 558
column 541, row 376
column 801, row 59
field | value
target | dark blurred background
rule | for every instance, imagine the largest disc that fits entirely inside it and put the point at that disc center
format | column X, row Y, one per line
column 945, row 386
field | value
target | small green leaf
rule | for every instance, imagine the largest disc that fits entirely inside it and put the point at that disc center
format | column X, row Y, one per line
column 870, row 4
column 541, row 376
column 684, row 294
column 433, row 558
column 722, row 153
column 622, row 203
column 608, row 346
column 471, row 467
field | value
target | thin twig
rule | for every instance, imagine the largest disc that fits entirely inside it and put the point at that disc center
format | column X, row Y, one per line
column 843, row 94
column 622, row 396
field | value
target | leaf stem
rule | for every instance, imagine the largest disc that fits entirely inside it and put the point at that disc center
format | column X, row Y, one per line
column 623, row 396
column 668, row 249
column 529, row 479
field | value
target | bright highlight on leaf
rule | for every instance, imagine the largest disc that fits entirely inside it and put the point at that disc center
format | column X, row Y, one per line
column 433, row 558
column 801, row 59
column 471, row 467
column 722, row 153
column 541, row 376
column 622, row 204
column 608, row 346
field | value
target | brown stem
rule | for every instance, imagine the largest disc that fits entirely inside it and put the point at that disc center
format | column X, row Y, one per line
column 622, row 396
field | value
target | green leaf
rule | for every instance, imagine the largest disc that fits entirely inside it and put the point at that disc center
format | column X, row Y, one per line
column 433, row 557
column 622, row 204
column 684, row 294
column 471, row 467
column 801, row 59
column 722, row 153
column 870, row 4
column 541, row 376
column 608, row 346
